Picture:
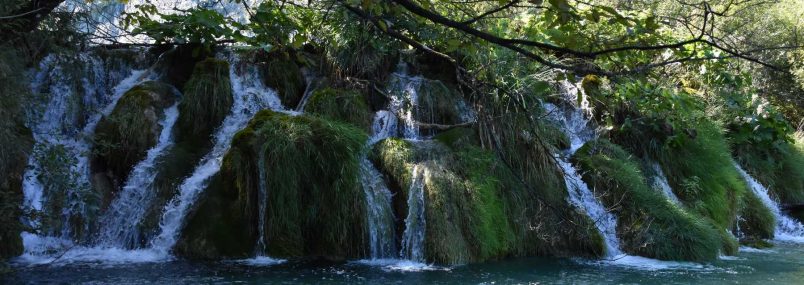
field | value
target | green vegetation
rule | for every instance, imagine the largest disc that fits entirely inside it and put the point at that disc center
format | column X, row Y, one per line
column 755, row 220
column 648, row 224
column 476, row 209
column 280, row 71
column 315, row 202
column 206, row 102
column 347, row 106
column 122, row 139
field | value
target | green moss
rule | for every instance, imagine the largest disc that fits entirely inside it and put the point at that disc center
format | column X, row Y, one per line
column 281, row 72
column 780, row 168
column 703, row 176
column 648, row 224
column 123, row 138
column 347, row 106
column 755, row 220
column 458, row 137
column 476, row 209
column 315, row 203
column 206, row 102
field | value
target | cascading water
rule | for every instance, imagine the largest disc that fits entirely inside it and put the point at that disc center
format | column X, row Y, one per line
column 119, row 225
column 378, row 197
column 78, row 99
column 250, row 96
column 575, row 125
column 787, row 229
column 82, row 90
column 413, row 238
column 311, row 82
column 660, row 182
column 404, row 100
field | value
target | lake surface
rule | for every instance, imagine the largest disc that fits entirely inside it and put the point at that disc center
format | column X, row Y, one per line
column 783, row 264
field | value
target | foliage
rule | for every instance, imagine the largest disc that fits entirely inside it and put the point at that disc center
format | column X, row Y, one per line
column 347, row 106
column 314, row 204
column 648, row 223
column 207, row 100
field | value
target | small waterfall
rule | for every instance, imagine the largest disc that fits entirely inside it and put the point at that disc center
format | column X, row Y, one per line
column 378, row 197
column 787, row 229
column 81, row 91
column 413, row 238
column 262, row 198
column 404, row 100
column 575, row 125
column 660, row 182
column 120, row 224
column 250, row 96
column 311, row 82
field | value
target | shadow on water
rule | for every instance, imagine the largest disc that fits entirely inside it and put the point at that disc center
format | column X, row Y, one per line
column 783, row 264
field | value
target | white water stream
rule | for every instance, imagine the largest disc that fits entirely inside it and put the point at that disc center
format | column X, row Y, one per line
column 787, row 228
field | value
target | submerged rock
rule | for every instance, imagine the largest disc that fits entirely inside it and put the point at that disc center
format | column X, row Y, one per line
column 124, row 136
column 648, row 224
column 308, row 169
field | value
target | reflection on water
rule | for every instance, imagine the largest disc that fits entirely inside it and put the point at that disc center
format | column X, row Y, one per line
column 783, row 264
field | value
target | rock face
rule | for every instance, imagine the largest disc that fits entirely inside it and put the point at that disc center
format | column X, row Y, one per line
column 123, row 138
column 475, row 208
column 304, row 173
column 648, row 224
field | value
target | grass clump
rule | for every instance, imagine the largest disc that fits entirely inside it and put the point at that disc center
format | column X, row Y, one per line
column 281, row 72
column 755, row 221
column 123, row 138
column 206, row 102
column 647, row 222
column 779, row 168
column 347, row 106
column 315, row 207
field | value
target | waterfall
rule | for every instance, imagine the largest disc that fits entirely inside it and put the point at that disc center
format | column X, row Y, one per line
column 311, row 82
column 378, row 198
column 660, row 182
column 413, row 238
column 120, row 224
column 404, row 100
column 262, row 198
column 82, row 90
column 574, row 124
column 250, row 96
column 787, row 229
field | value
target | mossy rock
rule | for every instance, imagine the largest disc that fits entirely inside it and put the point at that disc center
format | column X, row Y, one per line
column 123, row 138
column 648, row 224
column 436, row 104
column 755, row 221
column 315, row 207
column 475, row 209
column 207, row 100
column 779, row 168
column 347, row 106
column 281, row 72
column 177, row 63
column 17, row 144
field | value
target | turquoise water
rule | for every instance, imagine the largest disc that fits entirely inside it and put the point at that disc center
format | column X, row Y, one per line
column 783, row 264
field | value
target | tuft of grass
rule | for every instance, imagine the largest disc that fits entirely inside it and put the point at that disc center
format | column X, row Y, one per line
column 123, row 138
column 648, row 224
column 347, row 106
column 315, row 203
column 281, row 72
column 206, row 102
column 755, row 220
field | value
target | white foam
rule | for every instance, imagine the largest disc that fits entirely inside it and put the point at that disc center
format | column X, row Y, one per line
column 401, row 265
column 260, row 261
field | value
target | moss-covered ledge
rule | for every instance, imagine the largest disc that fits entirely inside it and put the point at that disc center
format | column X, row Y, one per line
column 315, row 206
column 475, row 208
column 123, row 137
column 648, row 224
column 343, row 105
